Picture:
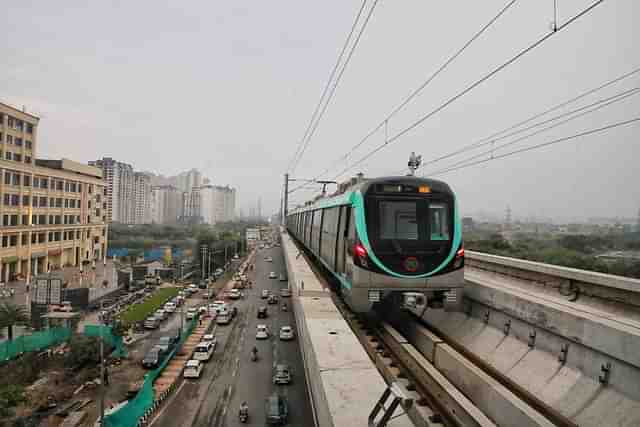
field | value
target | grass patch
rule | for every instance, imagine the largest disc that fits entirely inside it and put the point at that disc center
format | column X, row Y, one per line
column 139, row 312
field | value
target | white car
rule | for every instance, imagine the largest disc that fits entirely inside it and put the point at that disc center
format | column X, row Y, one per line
column 191, row 313
column 286, row 333
column 208, row 337
column 223, row 317
column 272, row 275
column 285, row 292
column 234, row 294
column 268, row 259
column 217, row 305
column 204, row 350
column 170, row 307
column 193, row 369
column 265, row 293
column 262, row 332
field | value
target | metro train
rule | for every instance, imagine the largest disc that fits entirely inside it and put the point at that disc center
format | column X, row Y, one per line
column 391, row 240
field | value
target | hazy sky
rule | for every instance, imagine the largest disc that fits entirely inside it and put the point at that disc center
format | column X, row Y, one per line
column 229, row 87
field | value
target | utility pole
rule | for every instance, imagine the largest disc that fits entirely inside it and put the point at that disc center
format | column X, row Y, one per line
column 203, row 250
column 102, row 385
column 286, row 198
column 209, row 270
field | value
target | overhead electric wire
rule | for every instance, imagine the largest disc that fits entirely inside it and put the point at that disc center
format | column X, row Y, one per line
column 495, row 135
column 472, row 86
column 334, row 87
column 545, row 144
column 603, row 103
column 424, row 84
column 326, row 87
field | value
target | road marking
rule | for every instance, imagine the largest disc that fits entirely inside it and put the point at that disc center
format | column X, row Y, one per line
column 167, row 404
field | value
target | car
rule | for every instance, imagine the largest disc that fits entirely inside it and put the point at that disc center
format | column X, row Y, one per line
column 286, row 333
column 265, row 294
column 276, row 409
column 218, row 305
column 262, row 312
column 285, row 292
column 170, row 307
column 191, row 313
column 153, row 358
column 192, row 288
column 161, row 314
column 202, row 285
column 204, row 350
column 262, row 332
column 223, row 317
column 151, row 322
column 209, row 337
column 281, row 374
column 272, row 299
column 272, row 275
column 202, row 309
column 282, row 278
column 234, row 294
column 209, row 294
column 167, row 342
column 193, row 369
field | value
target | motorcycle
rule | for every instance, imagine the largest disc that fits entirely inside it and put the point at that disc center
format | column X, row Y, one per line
column 244, row 416
column 284, row 307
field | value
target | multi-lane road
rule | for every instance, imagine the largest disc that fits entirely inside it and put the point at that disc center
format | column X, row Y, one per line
column 230, row 377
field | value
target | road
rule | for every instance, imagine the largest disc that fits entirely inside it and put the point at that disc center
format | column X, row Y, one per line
column 230, row 377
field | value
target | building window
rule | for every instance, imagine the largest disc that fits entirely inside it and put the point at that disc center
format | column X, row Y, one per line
column 5, row 220
column 19, row 124
column 59, row 185
column 44, row 183
column 7, row 178
column 42, row 219
column 29, row 128
column 34, row 219
column 42, row 237
column 25, row 219
column 64, row 235
column 13, row 221
column 7, row 199
column 34, row 238
column 13, row 240
column 43, row 202
column 51, row 236
column 25, row 239
column 59, row 202
column 26, row 180
column 5, row 241
column 66, row 203
column 52, row 202
column 56, row 236
column 0, row 133
column 18, row 142
column 8, row 155
column 26, row 200
column 10, row 121
column 28, row 144
column 15, row 200
column 16, row 179
column 17, row 157
column 10, row 139
column 27, row 159
column 36, row 182
column 78, row 234
column 58, row 220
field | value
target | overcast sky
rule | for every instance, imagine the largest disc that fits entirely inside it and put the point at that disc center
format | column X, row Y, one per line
column 229, row 87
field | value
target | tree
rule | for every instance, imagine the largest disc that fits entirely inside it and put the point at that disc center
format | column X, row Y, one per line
column 11, row 315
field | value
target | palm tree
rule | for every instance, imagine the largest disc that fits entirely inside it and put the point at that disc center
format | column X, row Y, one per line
column 11, row 315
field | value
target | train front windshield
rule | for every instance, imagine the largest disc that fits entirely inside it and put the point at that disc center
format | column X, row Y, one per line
column 411, row 235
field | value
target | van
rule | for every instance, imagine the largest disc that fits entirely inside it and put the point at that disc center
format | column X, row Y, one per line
column 204, row 351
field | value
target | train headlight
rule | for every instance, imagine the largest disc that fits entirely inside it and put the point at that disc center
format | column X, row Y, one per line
column 413, row 300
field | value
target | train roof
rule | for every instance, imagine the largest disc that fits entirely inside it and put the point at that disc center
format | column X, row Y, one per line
column 344, row 197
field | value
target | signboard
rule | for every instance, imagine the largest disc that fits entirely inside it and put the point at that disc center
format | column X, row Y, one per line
column 42, row 291
column 55, row 290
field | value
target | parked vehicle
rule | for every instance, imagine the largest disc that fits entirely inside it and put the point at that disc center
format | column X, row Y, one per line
column 272, row 275
column 191, row 313
column 193, row 369
column 262, row 332
column 276, row 409
column 286, row 333
column 262, row 312
column 282, row 374
column 151, row 322
column 204, row 350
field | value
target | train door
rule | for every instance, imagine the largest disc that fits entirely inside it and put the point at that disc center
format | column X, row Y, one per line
column 343, row 229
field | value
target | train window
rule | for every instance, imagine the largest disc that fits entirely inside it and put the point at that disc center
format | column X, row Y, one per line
column 439, row 221
column 398, row 220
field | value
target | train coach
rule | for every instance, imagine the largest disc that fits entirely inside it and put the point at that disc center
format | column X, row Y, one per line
column 387, row 240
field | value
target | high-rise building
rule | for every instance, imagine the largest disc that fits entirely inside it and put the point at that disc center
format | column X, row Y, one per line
column 141, row 198
column 186, row 181
column 216, row 203
column 119, row 181
column 166, row 203
column 53, row 211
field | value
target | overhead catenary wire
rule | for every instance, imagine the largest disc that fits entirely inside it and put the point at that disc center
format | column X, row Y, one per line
column 469, row 88
column 585, row 110
column 334, row 87
column 497, row 135
column 546, row 144
column 420, row 88
column 326, row 87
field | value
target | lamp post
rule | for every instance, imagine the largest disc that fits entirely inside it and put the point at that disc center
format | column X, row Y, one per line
column 102, row 385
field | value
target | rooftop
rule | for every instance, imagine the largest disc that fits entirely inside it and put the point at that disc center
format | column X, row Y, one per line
column 70, row 166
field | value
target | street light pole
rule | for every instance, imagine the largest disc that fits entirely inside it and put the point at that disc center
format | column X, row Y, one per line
column 102, row 385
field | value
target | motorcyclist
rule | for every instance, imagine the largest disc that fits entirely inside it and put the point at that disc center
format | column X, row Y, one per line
column 244, row 408
column 284, row 306
column 254, row 351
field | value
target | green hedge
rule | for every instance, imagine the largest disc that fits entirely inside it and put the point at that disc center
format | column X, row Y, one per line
column 139, row 312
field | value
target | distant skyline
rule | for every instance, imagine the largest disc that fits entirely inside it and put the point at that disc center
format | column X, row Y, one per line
column 229, row 88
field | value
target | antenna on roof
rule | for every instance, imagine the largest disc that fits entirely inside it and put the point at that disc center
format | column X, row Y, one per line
column 414, row 163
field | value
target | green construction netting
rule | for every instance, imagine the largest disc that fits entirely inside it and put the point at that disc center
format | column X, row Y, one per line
column 113, row 340
column 128, row 415
column 37, row 341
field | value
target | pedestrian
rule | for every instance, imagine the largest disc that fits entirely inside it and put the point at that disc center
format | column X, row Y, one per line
column 106, row 376
column 12, row 292
column 200, row 321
